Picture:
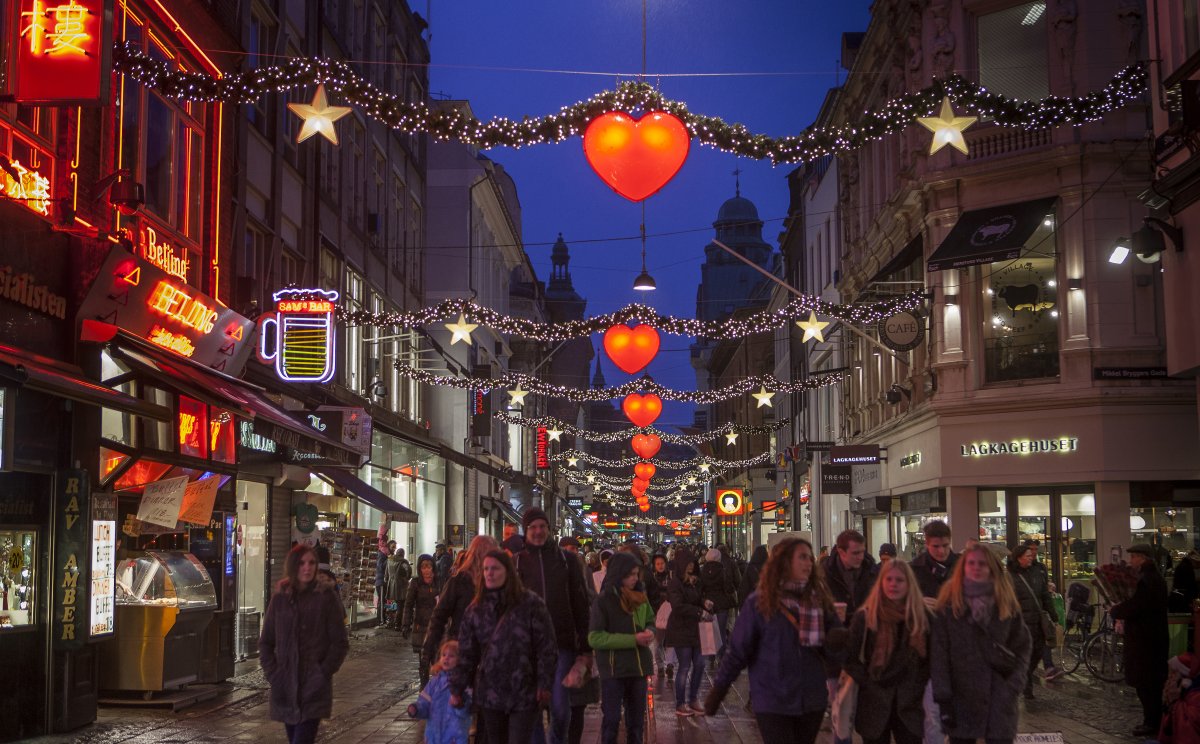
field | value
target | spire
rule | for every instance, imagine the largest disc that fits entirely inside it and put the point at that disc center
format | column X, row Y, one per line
column 598, row 377
column 737, row 181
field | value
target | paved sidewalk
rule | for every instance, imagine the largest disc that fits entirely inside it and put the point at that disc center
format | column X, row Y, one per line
column 378, row 681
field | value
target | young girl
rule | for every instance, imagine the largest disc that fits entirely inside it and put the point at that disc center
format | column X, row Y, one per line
column 447, row 724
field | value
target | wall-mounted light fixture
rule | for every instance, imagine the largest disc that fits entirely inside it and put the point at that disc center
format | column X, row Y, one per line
column 950, row 298
column 1075, row 283
column 1120, row 251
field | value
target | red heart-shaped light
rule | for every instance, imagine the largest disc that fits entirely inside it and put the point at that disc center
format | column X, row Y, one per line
column 644, row 507
column 642, row 410
column 644, row 470
column 636, row 158
column 642, row 483
column 631, row 349
column 646, row 446
column 638, row 493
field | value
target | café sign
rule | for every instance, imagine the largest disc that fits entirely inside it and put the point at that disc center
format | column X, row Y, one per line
column 903, row 331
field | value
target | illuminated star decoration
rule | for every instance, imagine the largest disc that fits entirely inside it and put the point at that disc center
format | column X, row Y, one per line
column 947, row 128
column 704, row 467
column 591, row 479
column 461, row 330
column 812, row 327
column 731, row 437
column 318, row 117
column 763, row 396
column 554, row 435
column 517, row 394
column 572, row 461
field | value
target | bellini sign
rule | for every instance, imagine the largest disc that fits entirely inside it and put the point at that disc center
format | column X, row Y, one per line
column 1019, row 447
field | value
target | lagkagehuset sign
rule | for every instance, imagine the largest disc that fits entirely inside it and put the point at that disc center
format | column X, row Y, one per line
column 1019, row 447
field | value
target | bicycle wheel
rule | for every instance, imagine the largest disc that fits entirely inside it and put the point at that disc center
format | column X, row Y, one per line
column 1068, row 654
column 1104, row 655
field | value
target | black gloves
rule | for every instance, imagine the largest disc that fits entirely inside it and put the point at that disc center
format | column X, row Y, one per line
column 712, row 701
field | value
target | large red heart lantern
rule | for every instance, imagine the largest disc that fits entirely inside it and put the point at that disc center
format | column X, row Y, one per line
column 638, row 157
column 642, row 410
column 644, row 470
column 642, row 483
column 646, row 446
column 631, row 349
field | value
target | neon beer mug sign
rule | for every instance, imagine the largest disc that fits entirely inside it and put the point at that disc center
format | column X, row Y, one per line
column 298, row 335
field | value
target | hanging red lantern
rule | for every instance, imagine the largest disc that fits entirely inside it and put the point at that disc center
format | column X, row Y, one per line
column 641, row 483
column 646, row 446
column 662, row 521
column 636, row 157
column 642, row 410
column 645, row 470
column 644, row 507
column 631, row 349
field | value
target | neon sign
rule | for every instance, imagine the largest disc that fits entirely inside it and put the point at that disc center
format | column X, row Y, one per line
column 181, row 345
column 28, row 186
column 164, row 255
column 543, row 448
column 64, row 26
column 302, row 344
column 181, row 307
column 63, row 51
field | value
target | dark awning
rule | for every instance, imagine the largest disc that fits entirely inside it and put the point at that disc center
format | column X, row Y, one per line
column 506, row 510
column 68, row 381
column 984, row 236
column 365, row 492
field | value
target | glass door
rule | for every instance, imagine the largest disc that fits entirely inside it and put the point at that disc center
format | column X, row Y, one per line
column 251, row 542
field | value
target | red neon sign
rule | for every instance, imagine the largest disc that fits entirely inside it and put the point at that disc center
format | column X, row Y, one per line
column 173, row 302
column 64, row 51
column 543, row 448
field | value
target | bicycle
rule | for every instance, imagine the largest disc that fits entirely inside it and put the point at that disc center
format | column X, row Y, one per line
column 1104, row 652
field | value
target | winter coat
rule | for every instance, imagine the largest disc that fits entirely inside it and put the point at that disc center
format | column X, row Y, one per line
column 441, row 568
column 983, row 700
column 399, row 573
column 838, row 582
column 660, row 581
column 554, row 575
column 899, row 688
column 447, row 724
column 734, row 572
column 1184, row 589
column 683, row 626
column 381, row 562
column 717, row 585
column 612, row 629
column 785, row 678
column 418, row 610
column 303, row 643
column 1032, row 586
column 749, row 585
column 931, row 574
column 447, row 616
column 505, row 658
column 1146, row 642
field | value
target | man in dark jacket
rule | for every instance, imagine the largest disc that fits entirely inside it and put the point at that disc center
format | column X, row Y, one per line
column 936, row 561
column 555, row 576
column 758, row 559
column 1146, row 642
column 850, row 571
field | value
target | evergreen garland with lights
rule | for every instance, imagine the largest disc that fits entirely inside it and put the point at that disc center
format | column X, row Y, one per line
column 1127, row 86
column 628, row 462
column 550, row 422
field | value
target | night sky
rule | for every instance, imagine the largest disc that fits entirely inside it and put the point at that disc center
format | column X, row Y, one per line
column 487, row 52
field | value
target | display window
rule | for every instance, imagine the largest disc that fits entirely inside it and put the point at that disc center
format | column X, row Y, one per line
column 1061, row 520
column 192, row 424
column 1171, row 528
column 18, row 579
column 910, row 533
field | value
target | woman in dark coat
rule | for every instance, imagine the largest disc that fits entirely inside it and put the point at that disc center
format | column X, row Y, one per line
column 418, row 609
column 888, row 656
column 303, row 644
column 758, row 559
column 786, row 634
column 507, row 653
column 979, row 651
column 1032, row 588
column 683, row 631
column 1146, row 640
column 457, row 594
column 719, row 593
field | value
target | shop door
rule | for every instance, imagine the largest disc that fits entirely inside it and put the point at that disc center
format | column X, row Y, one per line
column 252, row 564
column 1063, row 520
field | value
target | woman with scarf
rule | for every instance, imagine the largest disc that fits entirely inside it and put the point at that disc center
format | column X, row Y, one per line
column 620, row 632
column 788, row 634
column 457, row 594
column 888, row 656
column 683, row 630
column 418, row 609
column 979, row 651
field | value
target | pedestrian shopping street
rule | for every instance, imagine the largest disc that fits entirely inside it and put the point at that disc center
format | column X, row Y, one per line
column 378, row 681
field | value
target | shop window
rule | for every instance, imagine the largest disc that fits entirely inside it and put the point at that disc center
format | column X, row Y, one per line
column 116, row 426
column 157, row 434
column 1012, row 51
column 192, row 427
column 1077, row 549
column 18, row 582
column 1020, row 319
column 110, row 461
column 353, row 302
column 993, row 517
column 1173, row 529
column 140, row 473
column 222, row 440
column 259, row 54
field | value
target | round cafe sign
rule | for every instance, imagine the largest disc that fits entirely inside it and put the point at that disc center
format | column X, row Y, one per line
column 903, row 331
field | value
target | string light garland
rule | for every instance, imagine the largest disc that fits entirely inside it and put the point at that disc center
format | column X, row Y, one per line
column 730, row 328
column 629, row 462
column 1125, row 87
column 659, row 492
column 645, row 384
column 550, row 422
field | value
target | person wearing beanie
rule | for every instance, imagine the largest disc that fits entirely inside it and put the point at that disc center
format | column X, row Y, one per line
column 556, row 576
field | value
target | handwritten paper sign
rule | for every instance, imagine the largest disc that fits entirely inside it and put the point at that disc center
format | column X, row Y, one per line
column 162, row 500
column 198, row 499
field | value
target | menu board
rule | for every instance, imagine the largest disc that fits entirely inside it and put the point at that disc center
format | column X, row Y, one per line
column 104, row 562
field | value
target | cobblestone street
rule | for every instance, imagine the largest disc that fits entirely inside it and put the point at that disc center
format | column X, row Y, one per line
column 378, row 681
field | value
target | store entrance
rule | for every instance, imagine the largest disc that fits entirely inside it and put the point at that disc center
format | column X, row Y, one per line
column 1061, row 518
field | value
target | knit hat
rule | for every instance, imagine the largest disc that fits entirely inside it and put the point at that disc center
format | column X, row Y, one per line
column 1142, row 548
column 887, row 549
column 569, row 540
column 533, row 514
column 713, row 555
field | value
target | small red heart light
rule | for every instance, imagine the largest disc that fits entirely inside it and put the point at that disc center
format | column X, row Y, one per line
column 642, row 410
column 644, row 507
column 638, row 493
column 638, row 157
column 644, row 470
column 662, row 521
column 631, row 349
column 642, row 483
column 646, row 446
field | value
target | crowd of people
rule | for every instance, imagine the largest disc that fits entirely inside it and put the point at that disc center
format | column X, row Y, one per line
column 516, row 638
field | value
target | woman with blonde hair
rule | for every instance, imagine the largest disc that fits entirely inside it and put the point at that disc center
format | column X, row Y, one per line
column 457, row 594
column 786, row 633
column 888, row 656
column 979, row 652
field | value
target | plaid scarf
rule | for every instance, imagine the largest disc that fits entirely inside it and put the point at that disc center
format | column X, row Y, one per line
column 806, row 615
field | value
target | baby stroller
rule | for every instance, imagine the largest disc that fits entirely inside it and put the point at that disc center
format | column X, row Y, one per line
column 1081, row 614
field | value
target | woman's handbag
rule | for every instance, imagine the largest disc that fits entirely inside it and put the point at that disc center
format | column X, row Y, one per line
column 708, row 638
column 664, row 614
column 845, row 700
column 1049, row 627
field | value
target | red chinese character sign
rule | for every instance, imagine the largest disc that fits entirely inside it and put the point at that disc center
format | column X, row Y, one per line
column 64, row 54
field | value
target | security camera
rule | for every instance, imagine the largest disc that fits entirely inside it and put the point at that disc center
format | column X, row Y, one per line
column 127, row 197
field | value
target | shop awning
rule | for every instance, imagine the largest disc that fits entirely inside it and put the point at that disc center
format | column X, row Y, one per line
column 68, row 381
column 506, row 510
column 984, row 236
column 365, row 493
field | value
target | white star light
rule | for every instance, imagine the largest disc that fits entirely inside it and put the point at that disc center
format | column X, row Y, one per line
column 461, row 330
column 517, row 394
column 947, row 128
column 572, row 461
column 591, row 479
column 812, row 327
column 704, row 466
column 318, row 117
column 553, row 435
column 731, row 437
column 763, row 396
